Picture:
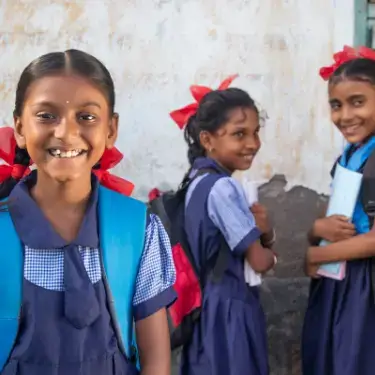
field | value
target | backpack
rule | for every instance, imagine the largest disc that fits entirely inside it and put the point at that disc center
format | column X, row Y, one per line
column 122, row 236
column 189, row 285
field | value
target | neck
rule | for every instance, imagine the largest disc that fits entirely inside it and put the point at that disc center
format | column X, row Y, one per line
column 68, row 195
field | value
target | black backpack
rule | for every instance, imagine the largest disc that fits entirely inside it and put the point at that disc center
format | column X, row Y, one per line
column 185, row 312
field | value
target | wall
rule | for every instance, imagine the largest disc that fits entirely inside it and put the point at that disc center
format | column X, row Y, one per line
column 156, row 49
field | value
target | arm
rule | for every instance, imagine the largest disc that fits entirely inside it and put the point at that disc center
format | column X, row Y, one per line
column 260, row 258
column 153, row 294
column 229, row 211
column 312, row 236
column 154, row 344
column 357, row 247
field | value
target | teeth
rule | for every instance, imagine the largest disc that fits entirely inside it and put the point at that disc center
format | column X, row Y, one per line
column 65, row 154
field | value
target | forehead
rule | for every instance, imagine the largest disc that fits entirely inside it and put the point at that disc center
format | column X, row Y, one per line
column 243, row 117
column 346, row 88
column 63, row 88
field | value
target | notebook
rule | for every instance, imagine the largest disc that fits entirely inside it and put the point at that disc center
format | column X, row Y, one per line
column 345, row 189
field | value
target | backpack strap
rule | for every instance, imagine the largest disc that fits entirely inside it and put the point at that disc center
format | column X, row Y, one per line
column 368, row 202
column 11, row 276
column 368, row 188
column 122, row 224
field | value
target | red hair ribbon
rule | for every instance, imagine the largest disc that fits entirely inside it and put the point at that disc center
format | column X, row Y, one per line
column 111, row 158
column 7, row 153
column 347, row 54
column 182, row 115
column 154, row 194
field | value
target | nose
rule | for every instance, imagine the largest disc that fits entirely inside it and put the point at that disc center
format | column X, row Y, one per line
column 346, row 115
column 253, row 143
column 67, row 129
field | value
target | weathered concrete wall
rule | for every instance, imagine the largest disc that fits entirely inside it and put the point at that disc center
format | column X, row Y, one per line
column 156, row 49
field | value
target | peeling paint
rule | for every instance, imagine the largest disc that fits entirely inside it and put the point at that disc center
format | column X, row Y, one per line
column 155, row 50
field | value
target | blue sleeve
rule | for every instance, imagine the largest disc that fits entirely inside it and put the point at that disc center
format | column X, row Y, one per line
column 156, row 275
column 229, row 211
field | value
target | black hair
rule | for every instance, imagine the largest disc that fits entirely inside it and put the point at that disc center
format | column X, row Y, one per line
column 69, row 62
column 211, row 115
column 362, row 70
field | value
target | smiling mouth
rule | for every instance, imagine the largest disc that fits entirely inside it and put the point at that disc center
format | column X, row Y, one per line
column 249, row 157
column 69, row 154
column 350, row 128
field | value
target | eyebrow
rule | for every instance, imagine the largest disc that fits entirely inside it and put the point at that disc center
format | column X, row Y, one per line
column 351, row 97
column 47, row 103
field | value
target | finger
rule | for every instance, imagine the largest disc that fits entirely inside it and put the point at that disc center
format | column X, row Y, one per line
column 348, row 233
column 256, row 207
column 346, row 226
column 340, row 218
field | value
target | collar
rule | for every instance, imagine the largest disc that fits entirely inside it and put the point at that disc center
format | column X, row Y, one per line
column 205, row 162
column 35, row 230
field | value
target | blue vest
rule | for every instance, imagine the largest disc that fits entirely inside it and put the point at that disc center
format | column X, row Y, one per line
column 122, row 223
column 354, row 161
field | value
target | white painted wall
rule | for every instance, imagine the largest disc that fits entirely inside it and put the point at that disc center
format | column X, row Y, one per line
column 157, row 48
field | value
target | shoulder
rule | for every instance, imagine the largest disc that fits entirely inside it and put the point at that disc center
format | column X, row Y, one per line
column 201, row 187
column 156, row 274
column 227, row 188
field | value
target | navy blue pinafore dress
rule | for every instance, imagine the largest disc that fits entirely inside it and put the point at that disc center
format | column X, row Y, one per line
column 65, row 325
column 339, row 327
column 230, row 338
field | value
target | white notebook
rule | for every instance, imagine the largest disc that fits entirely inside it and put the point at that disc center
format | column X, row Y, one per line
column 345, row 190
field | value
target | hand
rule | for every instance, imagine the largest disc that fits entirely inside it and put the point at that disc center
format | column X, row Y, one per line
column 334, row 228
column 311, row 269
column 261, row 217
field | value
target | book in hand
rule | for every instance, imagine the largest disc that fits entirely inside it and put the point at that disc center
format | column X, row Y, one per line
column 345, row 190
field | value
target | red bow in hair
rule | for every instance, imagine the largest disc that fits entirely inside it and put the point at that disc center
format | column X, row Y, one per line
column 7, row 153
column 111, row 158
column 154, row 194
column 347, row 54
column 182, row 115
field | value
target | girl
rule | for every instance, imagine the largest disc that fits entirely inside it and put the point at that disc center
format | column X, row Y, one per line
column 64, row 120
column 222, row 133
column 339, row 324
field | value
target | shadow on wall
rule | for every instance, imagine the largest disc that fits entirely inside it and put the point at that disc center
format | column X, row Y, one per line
column 284, row 293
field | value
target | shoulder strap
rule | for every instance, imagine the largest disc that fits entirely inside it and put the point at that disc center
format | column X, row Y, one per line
column 157, row 205
column 368, row 188
column 368, row 202
column 122, row 223
column 11, row 275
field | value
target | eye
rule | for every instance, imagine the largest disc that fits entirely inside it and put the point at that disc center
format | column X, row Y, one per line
column 358, row 102
column 86, row 117
column 335, row 106
column 45, row 116
column 239, row 134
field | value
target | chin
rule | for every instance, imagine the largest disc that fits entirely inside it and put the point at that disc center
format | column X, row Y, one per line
column 64, row 178
column 244, row 166
column 357, row 138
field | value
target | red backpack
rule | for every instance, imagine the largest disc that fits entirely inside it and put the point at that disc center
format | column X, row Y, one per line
column 185, row 312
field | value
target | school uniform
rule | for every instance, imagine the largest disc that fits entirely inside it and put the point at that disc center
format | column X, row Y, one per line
column 66, row 327
column 230, row 337
column 339, row 326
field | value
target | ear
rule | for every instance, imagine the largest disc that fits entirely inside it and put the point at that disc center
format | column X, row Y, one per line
column 206, row 140
column 18, row 132
column 113, row 131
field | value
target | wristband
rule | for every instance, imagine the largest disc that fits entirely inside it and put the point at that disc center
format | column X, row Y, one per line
column 272, row 240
